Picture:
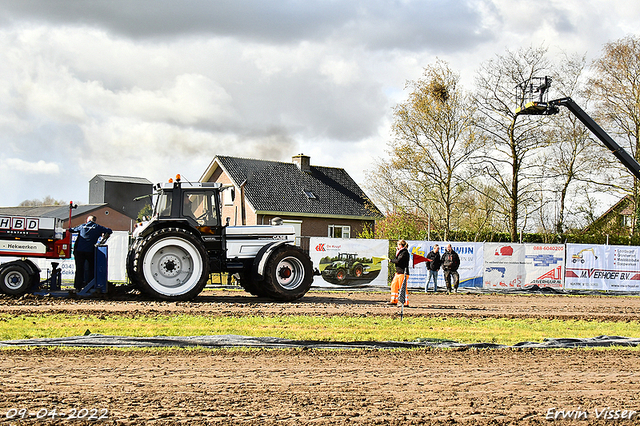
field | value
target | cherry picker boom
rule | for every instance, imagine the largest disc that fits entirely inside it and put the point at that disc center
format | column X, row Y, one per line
column 540, row 106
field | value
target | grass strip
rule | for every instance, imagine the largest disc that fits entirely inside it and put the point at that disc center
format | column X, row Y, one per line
column 339, row 328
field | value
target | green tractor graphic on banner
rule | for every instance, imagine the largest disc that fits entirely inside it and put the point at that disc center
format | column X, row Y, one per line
column 348, row 269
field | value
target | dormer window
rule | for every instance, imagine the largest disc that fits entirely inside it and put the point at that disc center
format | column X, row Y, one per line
column 310, row 195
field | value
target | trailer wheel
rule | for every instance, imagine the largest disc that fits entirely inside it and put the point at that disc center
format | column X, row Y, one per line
column 171, row 264
column 288, row 274
column 15, row 279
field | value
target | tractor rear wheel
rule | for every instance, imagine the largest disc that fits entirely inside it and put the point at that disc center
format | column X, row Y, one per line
column 251, row 286
column 15, row 279
column 170, row 264
column 288, row 274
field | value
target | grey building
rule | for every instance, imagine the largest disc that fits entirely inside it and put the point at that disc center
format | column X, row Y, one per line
column 119, row 192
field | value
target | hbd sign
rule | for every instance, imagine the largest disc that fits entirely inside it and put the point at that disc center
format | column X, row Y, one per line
column 27, row 224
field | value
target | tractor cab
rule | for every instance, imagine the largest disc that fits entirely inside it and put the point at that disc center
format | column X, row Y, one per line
column 186, row 205
column 347, row 256
column 197, row 202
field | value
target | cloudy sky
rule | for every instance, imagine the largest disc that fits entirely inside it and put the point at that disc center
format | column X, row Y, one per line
column 151, row 88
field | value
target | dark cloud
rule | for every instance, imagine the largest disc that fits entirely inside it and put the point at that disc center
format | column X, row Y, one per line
column 562, row 23
column 381, row 24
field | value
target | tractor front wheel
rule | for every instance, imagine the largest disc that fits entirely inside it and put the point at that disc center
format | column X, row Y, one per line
column 358, row 270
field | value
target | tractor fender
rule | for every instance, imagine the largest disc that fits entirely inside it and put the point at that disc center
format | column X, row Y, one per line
column 260, row 261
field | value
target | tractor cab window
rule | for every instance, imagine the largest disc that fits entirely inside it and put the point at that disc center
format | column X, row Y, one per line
column 163, row 205
column 201, row 207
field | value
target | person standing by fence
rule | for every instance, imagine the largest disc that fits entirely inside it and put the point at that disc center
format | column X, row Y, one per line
column 450, row 264
column 433, row 265
column 402, row 272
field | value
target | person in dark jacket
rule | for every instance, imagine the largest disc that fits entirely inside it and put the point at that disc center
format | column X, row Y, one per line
column 84, row 250
column 433, row 266
column 450, row 264
column 402, row 272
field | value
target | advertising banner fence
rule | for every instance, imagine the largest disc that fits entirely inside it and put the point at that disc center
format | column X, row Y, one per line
column 544, row 265
column 349, row 262
column 508, row 265
column 470, row 270
column 594, row 267
column 504, row 265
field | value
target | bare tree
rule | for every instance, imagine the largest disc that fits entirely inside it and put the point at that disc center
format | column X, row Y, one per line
column 46, row 201
column 434, row 137
column 512, row 142
column 481, row 208
column 615, row 88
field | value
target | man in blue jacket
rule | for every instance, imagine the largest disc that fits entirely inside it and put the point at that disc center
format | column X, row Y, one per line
column 84, row 250
column 433, row 265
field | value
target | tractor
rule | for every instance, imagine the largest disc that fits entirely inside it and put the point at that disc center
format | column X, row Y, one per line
column 172, row 255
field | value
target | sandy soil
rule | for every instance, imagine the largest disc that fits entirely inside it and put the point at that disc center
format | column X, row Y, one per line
column 327, row 387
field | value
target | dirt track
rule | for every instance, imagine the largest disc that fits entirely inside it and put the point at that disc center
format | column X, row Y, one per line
column 231, row 302
column 328, row 387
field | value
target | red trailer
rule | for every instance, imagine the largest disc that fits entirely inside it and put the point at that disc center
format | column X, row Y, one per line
column 25, row 237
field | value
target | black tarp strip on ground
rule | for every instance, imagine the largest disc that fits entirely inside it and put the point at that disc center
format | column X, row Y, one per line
column 235, row 341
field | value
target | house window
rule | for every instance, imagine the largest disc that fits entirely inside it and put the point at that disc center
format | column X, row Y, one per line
column 228, row 196
column 339, row 231
column 627, row 221
column 310, row 195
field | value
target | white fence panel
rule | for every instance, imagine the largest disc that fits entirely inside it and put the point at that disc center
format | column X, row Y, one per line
column 597, row 267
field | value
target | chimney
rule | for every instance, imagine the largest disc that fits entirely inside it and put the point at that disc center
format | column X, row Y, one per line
column 303, row 162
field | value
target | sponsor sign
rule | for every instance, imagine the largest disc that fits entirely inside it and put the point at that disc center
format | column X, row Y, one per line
column 26, row 247
column 349, row 262
column 470, row 270
column 596, row 267
column 504, row 265
column 544, row 265
column 19, row 225
column 509, row 265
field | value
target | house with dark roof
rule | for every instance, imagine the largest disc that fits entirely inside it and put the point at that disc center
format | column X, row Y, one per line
column 318, row 201
column 618, row 220
column 105, row 215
